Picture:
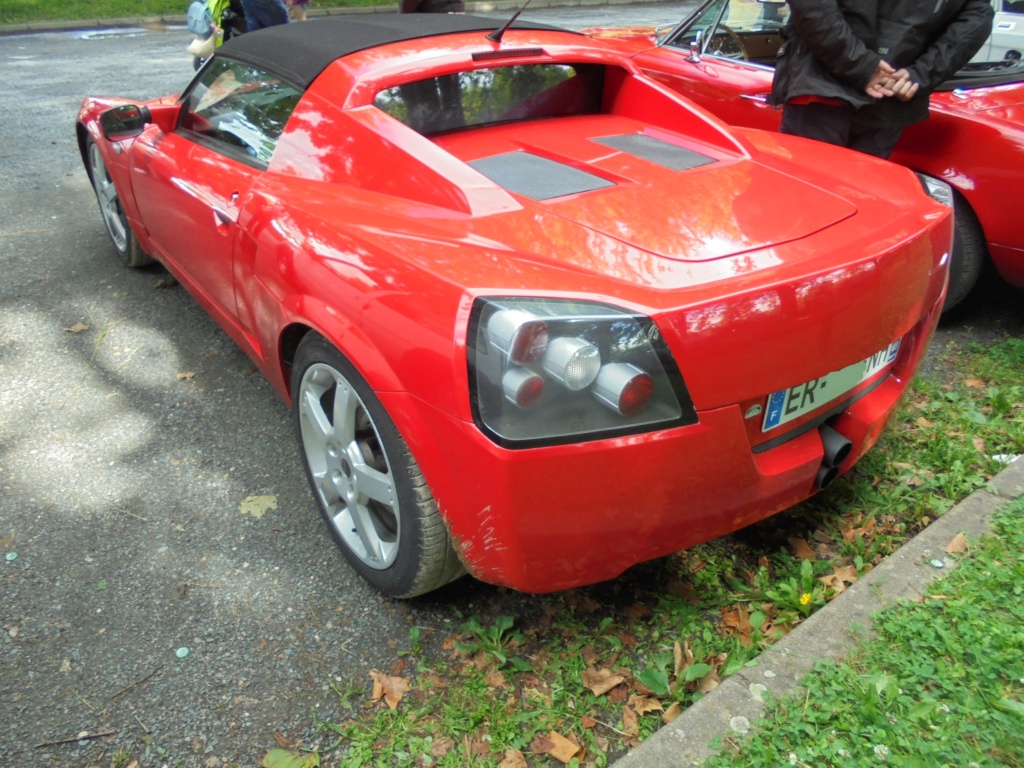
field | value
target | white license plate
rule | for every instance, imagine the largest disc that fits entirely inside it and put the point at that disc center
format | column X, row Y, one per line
column 788, row 404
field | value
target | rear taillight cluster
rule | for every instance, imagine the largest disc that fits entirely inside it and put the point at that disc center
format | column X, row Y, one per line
column 554, row 370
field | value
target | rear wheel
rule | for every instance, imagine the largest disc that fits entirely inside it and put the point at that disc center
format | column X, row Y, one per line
column 369, row 488
column 120, row 231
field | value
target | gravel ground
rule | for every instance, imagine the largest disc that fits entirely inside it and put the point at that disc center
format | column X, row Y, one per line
column 131, row 432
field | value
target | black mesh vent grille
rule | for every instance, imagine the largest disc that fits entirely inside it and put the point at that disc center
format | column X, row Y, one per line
column 537, row 177
column 667, row 155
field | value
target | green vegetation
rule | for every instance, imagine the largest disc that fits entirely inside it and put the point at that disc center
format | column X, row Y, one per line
column 942, row 685
column 578, row 678
column 34, row 11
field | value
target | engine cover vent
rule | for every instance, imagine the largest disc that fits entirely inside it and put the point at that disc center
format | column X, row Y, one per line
column 537, row 177
column 667, row 155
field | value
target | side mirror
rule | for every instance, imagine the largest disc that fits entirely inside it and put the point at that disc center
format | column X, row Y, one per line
column 695, row 47
column 124, row 121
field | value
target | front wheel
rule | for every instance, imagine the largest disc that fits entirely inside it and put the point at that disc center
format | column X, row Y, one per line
column 969, row 253
column 369, row 488
column 114, row 217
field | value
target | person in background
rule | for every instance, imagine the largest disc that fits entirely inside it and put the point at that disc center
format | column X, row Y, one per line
column 264, row 13
column 299, row 9
column 856, row 72
column 431, row 6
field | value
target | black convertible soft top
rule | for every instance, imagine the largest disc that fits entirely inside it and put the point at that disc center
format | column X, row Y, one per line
column 299, row 52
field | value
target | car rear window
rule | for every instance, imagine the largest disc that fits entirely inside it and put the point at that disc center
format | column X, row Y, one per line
column 495, row 95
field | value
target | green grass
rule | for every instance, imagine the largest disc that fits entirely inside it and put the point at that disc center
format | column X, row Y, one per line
column 578, row 678
column 943, row 685
column 35, row 11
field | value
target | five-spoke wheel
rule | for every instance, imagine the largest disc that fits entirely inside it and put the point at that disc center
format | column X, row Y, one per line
column 369, row 487
column 114, row 217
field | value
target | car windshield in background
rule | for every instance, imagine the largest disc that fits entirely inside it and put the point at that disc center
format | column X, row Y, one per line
column 751, row 31
column 495, row 95
column 748, row 30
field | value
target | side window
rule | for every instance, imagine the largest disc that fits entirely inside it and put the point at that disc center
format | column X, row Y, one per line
column 238, row 110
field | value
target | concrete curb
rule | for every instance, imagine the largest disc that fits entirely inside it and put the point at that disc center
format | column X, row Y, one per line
column 830, row 633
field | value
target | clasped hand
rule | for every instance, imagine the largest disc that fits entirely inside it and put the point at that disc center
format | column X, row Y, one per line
column 888, row 81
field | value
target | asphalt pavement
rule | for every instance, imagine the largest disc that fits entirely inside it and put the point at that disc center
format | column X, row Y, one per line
column 167, row 583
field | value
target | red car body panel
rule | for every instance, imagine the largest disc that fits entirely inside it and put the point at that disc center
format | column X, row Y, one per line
column 973, row 140
column 761, row 272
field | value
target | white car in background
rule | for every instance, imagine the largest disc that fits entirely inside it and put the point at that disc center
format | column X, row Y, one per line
column 1007, row 38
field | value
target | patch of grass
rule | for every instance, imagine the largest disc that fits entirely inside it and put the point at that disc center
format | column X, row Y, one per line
column 35, row 11
column 577, row 678
column 942, row 685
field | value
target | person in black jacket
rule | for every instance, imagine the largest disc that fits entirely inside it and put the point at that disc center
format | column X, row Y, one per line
column 856, row 72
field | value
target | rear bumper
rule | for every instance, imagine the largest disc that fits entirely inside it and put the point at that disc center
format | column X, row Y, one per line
column 553, row 518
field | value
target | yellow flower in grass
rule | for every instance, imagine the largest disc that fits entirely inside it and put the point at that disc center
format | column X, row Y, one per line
column 805, row 598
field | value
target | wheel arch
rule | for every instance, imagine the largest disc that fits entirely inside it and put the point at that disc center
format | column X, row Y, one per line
column 345, row 336
column 82, row 135
column 970, row 239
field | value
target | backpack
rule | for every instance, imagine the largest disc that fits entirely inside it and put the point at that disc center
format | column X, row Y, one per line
column 199, row 19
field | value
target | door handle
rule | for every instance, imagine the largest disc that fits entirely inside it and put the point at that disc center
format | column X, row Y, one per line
column 760, row 98
column 222, row 217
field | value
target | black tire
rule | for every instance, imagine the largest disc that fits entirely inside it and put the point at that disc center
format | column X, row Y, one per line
column 351, row 451
column 120, row 230
column 969, row 253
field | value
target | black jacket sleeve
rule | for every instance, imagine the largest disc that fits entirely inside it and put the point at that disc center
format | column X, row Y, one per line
column 962, row 37
column 839, row 39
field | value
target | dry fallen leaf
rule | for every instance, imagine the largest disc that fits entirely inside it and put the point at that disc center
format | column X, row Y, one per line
column 258, row 506
column 801, row 549
column 441, row 747
column 630, row 722
column 958, row 545
column 709, row 682
column 674, row 710
column 541, row 745
column 281, row 741
column 392, row 689
column 600, row 681
column 563, row 749
column 974, row 383
column 495, row 679
column 737, row 622
column 644, row 704
column 683, row 656
column 186, row 375
column 77, row 328
column 513, row 759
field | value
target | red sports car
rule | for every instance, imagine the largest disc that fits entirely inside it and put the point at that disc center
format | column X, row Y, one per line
column 722, row 56
column 538, row 317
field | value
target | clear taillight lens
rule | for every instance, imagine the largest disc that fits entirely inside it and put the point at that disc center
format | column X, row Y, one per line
column 546, row 371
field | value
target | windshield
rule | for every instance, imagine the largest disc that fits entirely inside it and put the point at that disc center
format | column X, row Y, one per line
column 745, row 30
column 751, row 31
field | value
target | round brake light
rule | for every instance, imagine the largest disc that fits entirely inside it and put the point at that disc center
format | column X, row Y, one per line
column 522, row 386
column 624, row 388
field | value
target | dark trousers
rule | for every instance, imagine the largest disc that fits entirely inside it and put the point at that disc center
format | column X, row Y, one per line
column 868, row 129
